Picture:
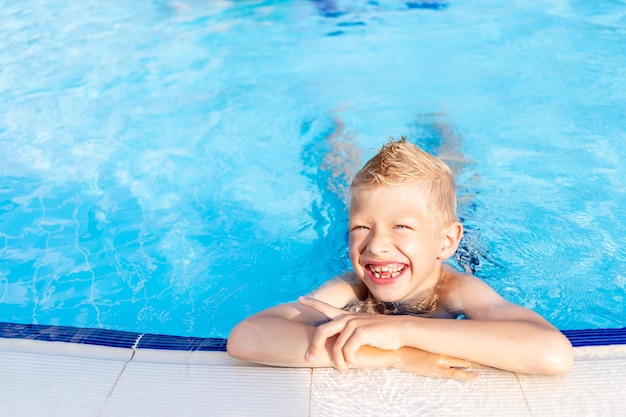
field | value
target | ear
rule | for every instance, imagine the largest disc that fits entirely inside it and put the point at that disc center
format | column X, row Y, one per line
column 450, row 238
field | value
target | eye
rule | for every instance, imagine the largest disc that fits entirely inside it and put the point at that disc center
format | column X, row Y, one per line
column 359, row 227
column 401, row 226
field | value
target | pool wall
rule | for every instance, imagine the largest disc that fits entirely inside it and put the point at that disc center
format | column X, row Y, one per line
column 133, row 340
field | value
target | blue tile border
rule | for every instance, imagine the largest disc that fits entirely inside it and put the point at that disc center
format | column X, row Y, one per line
column 165, row 342
column 130, row 340
column 596, row 337
column 112, row 338
column 100, row 337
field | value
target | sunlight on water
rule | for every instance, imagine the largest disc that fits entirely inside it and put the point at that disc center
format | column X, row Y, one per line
column 173, row 167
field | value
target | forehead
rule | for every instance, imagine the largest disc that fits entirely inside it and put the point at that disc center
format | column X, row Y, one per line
column 406, row 199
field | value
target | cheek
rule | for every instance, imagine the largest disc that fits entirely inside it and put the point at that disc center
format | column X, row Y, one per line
column 407, row 243
column 353, row 251
column 355, row 240
column 415, row 248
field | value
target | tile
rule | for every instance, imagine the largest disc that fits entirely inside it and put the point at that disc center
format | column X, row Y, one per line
column 78, row 335
column 182, row 390
column 36, row 384
column 43, row 378
column 390, row 392
column 189, row 357
column 594, row 387
column 65, row 349
column 599, row 353
column 168, row 342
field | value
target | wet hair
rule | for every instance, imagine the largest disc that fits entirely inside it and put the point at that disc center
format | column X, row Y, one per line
column 400, row 162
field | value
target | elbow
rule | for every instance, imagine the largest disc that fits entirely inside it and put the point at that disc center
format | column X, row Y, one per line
column 233, row 348
column 562, row 364
column 239, row 342
column 559, row 359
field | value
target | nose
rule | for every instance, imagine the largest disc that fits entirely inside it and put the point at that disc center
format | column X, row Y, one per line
column 378, row 243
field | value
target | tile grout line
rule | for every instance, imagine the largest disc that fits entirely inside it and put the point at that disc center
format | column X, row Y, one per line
column 521, row 388
column 119, row 376
column 310, row 391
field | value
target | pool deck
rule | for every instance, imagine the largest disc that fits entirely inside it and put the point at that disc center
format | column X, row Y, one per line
column 51, row 378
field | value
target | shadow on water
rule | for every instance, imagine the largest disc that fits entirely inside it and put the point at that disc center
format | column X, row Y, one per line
column 332, row 9
column 346, row 17
column 434, row 134
column 332, row 157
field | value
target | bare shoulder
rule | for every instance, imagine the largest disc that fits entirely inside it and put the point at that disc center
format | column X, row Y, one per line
column 471, row 296
column 466, row 294
column 340, row 290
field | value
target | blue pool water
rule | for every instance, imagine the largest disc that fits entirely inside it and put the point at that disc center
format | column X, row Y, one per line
column 174, row 166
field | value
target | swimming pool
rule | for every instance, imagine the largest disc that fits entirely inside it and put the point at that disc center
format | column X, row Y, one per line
column 172, row 167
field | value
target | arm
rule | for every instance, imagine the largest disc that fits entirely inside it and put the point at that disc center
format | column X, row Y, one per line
column 498, row 334
column 278, row 336
column 524, row 346
column 270, row 339
column 281, row 336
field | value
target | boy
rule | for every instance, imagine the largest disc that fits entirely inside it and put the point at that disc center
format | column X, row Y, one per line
column 403, row 225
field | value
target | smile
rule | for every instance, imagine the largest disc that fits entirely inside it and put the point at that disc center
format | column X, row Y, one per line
column 386, row 271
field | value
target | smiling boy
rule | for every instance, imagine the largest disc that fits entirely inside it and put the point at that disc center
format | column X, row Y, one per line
column 400, row 306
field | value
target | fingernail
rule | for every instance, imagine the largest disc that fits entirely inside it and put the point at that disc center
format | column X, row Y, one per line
column 309, row 357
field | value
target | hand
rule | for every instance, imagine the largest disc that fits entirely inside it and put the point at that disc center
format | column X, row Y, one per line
column 353, row 330
column 424, row 363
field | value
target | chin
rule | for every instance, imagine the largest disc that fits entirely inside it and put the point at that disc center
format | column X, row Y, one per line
column 385, row 295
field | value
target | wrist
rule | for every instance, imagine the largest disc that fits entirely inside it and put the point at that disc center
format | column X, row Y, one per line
column 398, row 358
column 409, row 329
column 371, row 357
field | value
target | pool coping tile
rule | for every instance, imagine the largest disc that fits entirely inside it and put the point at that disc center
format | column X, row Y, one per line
column 39, row 383
column 69, row 379
column 175, row 389
column 65, row 349
column 376, row 392
column 594, row 387
column 73, row 371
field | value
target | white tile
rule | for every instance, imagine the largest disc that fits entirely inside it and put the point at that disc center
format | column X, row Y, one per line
column 34, row 384
column 392, row 393
column 60, row 379
column 598, row 353
column 162, row 389
column 594, row 387
column 72, row 350
column 188, row 357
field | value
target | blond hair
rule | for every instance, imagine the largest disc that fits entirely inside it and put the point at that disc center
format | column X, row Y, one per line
column 399, row 162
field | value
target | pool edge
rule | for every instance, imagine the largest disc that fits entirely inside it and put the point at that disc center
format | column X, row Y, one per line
column 134, row 340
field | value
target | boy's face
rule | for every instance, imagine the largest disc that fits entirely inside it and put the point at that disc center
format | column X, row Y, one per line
column 394, row 248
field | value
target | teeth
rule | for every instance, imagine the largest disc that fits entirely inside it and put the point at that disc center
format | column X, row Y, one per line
column 387, row 271
column 387, row 268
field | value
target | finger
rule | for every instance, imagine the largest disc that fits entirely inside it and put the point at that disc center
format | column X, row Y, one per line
column 338, row 357
column 350, row 341
column 323, row 333
column 320, row 336
column 326, row 309
column 339, row 360
column 339, row 329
